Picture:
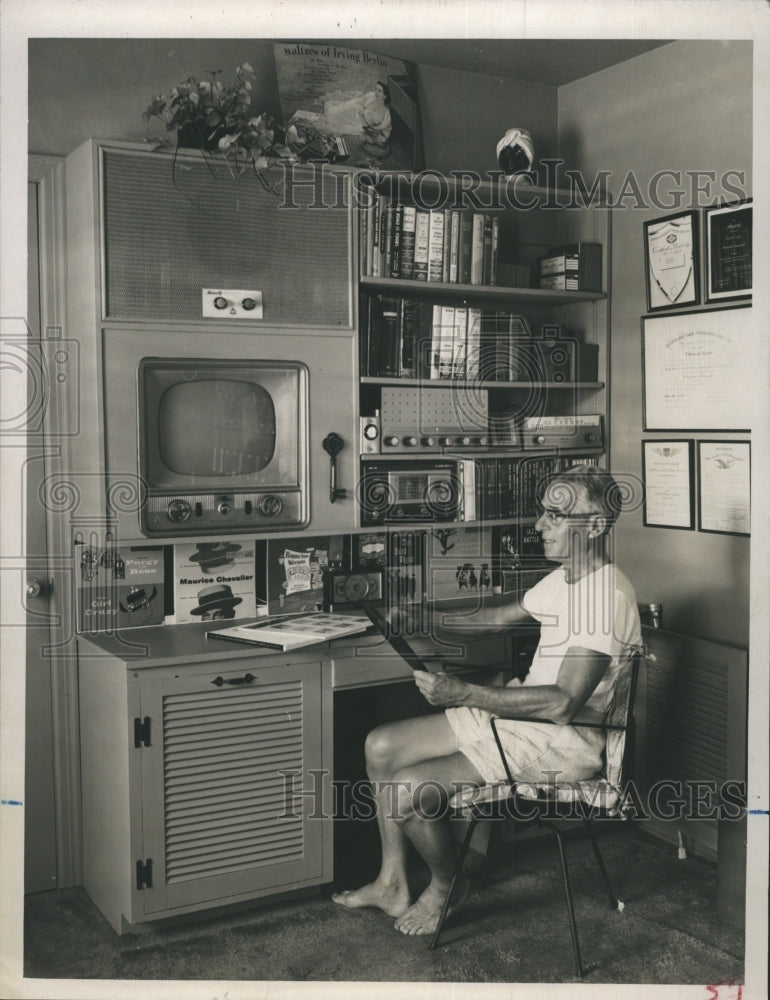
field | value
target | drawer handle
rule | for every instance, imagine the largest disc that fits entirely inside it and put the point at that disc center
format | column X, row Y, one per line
column 246, row 679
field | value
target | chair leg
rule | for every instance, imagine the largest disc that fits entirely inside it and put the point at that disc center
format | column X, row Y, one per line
column 458, row 868
column 615, row 903
column 568, row 895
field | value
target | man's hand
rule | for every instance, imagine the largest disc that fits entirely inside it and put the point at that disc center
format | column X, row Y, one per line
column 441, row 689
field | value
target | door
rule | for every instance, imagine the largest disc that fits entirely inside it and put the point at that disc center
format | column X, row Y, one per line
column 228, row 750
column 39, row 800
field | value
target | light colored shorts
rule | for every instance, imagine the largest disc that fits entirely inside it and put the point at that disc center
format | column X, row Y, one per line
column 531, row 748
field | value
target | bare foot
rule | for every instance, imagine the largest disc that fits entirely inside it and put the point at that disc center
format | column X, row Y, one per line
column 422, row 916
column 393, row 898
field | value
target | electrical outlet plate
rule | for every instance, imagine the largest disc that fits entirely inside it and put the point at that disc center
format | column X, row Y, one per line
column 231, row 303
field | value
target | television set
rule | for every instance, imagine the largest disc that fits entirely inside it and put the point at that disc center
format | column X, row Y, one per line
column 222, row 445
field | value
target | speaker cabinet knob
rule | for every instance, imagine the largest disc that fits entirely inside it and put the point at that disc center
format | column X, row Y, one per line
column 220, row 302
column 248, row 304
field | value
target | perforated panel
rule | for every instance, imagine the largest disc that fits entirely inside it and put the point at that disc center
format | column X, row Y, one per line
column 223, row 753
column 167, row 235
column 428, row 411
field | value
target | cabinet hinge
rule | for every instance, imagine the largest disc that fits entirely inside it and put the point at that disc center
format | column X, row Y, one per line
column 142, row 732
column 144, row 874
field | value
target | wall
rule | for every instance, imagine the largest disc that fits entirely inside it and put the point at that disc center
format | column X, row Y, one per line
column 686, row 106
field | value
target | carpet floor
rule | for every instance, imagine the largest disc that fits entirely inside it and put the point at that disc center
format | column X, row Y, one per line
column 514, row 929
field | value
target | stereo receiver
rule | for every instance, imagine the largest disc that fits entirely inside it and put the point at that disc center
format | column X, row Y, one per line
column 392, row 492
column 581, row 431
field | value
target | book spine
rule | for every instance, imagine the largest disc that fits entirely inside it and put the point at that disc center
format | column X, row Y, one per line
column 477, row 249
column 421, row 245
column 423, row 338
column 436, row 245
column 465, row 248
column 435, row 347
column 461, row 342
column 469, row 489
column 395, row 261
column 388, row 337
column 387, row 243
column 363, row 229
column 375, row 238
column 408, row 366
column 446, row 250
column 473, row 344
column 446, row 349
column 454, row 247
column 406, row 258
column 495, row 251
column 486, row 267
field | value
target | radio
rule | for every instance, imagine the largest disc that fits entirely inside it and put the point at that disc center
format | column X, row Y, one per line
column 554, row 360
column 430, row 420
column 583, row 431
column 392, row 492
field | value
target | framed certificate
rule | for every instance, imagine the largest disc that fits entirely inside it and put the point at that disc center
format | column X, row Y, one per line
column 697, row 371
column 724, row 487
column 671, row 261
column 669, row 495
column 728, row 252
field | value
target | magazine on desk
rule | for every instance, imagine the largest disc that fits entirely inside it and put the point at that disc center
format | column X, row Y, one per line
column 294, row 631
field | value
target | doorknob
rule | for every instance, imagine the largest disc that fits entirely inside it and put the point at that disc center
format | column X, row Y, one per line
column 33, row 587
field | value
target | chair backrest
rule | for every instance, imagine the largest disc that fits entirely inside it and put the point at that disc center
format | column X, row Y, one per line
column 621, row 716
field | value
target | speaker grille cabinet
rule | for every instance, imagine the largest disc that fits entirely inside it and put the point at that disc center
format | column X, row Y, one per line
column 171, row 231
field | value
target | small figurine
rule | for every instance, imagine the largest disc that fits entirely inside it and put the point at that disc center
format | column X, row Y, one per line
column 515, row 152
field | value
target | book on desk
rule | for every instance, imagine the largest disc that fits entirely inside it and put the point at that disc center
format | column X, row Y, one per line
column 289, row 632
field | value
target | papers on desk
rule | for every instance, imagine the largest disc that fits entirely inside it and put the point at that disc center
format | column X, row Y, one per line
column 294, row 631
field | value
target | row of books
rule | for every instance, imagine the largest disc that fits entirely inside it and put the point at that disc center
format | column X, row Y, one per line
column 417, row 338
column 499, row 488
column 453, row 246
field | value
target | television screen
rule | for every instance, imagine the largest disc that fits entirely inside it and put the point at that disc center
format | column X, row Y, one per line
column 216, row 427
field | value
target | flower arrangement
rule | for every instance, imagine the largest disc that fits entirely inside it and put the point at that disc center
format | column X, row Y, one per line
column 217, row 118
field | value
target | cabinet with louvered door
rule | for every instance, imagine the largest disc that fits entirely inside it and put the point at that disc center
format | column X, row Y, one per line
column 216, row 753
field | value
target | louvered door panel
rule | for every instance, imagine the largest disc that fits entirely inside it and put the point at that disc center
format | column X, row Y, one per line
column 220, row 813
column 691, row 727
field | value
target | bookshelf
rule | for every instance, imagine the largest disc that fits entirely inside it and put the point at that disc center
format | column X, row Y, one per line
column 406, row 365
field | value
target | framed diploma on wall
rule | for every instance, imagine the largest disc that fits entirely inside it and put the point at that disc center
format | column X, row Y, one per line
column 671, row 261
column 669, row 494
column 697, row 370
column 724, row 487
column 728, row 252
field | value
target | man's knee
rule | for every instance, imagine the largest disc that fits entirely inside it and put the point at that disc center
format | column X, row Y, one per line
column 380, row 747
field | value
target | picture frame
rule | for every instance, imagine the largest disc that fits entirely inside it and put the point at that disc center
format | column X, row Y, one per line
column 694, row 370
column 672, row 261
column 729, row 230
column 669, row 483
column 724, row 487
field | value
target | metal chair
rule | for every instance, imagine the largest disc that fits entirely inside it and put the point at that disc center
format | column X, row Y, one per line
column 599, row 797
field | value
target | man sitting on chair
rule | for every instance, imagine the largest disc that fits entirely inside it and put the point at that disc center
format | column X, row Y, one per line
column 589, row 633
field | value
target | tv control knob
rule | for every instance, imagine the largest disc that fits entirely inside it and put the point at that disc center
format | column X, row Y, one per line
column 410, row 442
column 465, row 441
column 248, row 304
column 224, row 506
column 429, row 442
column 271, row 505
column 483, row 441
column 220, row 302
column 540, row 439
column 391, row 442
column 178, row 511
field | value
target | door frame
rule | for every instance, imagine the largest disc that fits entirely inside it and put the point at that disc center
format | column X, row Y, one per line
column 47, row 172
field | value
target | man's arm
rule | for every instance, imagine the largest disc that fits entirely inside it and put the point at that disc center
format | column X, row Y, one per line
column 580, row 672
column 493, row 613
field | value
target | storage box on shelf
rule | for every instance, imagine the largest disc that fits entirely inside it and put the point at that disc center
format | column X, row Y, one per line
column 457, row 367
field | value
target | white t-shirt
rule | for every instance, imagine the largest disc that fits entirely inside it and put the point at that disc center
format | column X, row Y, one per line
column 598, row 612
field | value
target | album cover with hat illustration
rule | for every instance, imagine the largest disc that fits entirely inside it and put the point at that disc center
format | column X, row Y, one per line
column 214, row 581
